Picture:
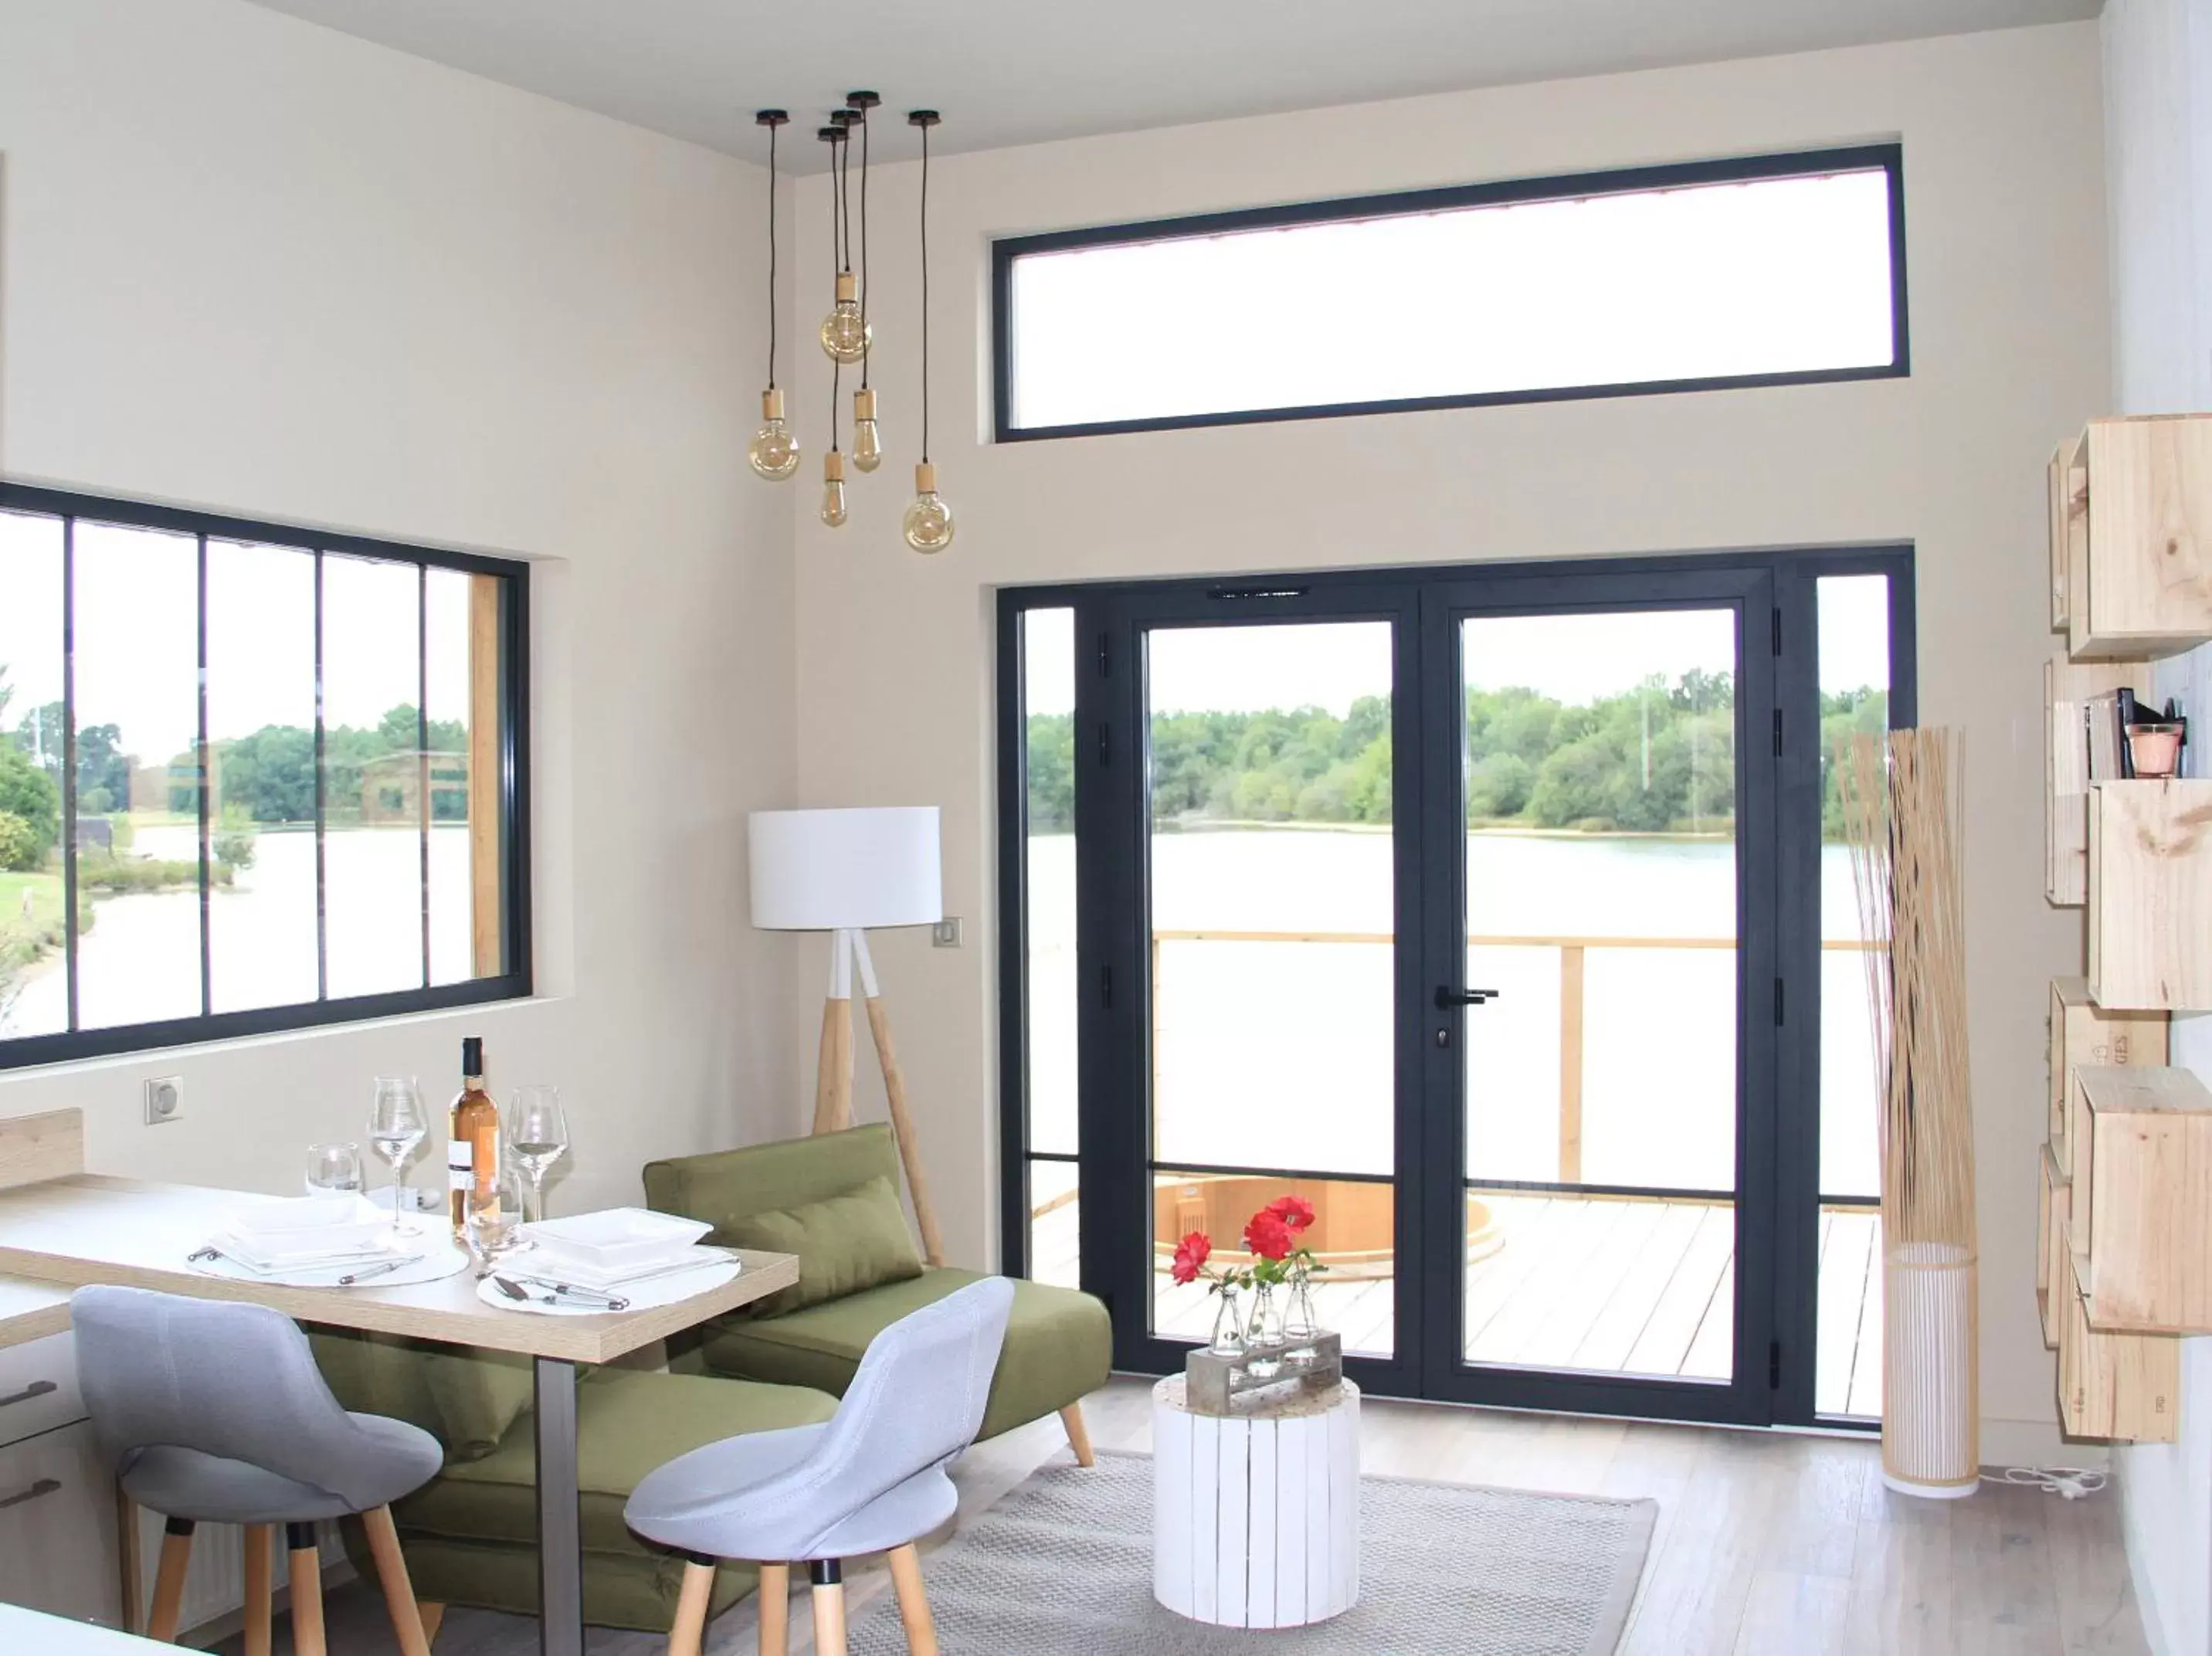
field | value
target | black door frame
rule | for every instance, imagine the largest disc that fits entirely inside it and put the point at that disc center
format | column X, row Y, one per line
column 1779, row 779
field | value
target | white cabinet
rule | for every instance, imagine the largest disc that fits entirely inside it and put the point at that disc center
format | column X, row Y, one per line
column 38, row 1387
column 57, row 1541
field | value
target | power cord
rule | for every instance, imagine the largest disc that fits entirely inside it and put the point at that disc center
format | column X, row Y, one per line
column 2069, row 1483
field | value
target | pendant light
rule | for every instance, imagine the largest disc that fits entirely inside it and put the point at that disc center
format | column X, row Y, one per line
column 773, row 452
column 929, row 520
column 832, row 462
column 867, row 440
column 844, row 332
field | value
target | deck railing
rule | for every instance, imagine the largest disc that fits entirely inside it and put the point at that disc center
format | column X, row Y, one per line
column 1572, row 951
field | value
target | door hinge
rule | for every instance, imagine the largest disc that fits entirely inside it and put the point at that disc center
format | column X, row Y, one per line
column 1106, row 987
column 1774, row 1365
column 1777, row 1002
column 1105, row 744
column 1777, row 632
column 1778, row 732
column 1105, row 642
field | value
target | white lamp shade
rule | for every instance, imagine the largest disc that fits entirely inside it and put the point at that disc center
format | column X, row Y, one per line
column 832, row 870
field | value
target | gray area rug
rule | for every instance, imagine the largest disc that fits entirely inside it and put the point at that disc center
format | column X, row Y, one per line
column 1064, row 1562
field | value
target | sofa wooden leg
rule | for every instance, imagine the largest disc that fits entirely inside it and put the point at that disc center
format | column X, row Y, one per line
column 913, row 1601
column 260, row 1589
column 1079, row 1435
column 304, row 1563
column 828, row 1578
column 391, row 1575
column 689, row 1632
column 169, row 1581
column 774, row 1600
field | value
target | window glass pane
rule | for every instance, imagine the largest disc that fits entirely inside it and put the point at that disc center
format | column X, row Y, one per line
column 1854, row 684
column 1056, row 1224
column 137, row 656
column 33, row 977
column 372, row 775
column 468, row 935
column 261, row 742
column 1769, row 275
column 1048, row 828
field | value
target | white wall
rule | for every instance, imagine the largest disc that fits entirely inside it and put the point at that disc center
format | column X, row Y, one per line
column 257, row 266
column 2003, row 174
column 2158, row 158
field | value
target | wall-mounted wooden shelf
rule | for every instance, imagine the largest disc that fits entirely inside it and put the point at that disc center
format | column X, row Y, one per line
column 2054, row 1269
column 2083, row 1032
column 2126, row 1386
column 2150, row 895
column 2140, row 1215
column 2067, row 688
column 2131, row 537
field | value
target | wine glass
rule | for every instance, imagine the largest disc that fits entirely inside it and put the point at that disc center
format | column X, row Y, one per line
column 491, row 1208
column 396, row 1125
column 333, row 1169
column 537, row 1137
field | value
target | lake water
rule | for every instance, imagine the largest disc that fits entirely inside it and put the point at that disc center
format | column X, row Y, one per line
column 1282, row 1053
column 140, row 961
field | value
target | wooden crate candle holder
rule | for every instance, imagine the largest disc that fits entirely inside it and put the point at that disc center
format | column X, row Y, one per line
column 2140, row 1227
column 2150, row 896
column 1260, row 1377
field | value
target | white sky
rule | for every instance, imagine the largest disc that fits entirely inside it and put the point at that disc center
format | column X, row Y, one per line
column 1573, row 658
column 1770, row 275
column 137, row 634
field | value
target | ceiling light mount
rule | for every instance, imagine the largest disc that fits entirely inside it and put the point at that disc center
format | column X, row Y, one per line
column 922, row 118
column 861, row 102
column 771, row 117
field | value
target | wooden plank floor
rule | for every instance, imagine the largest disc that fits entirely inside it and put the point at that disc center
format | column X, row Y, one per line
column 1640, row 1288
column 1767, row 1545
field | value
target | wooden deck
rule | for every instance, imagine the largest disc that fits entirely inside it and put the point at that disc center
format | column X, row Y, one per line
column 1632, row 1288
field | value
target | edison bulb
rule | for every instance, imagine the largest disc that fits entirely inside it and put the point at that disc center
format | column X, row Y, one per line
column 845, row 331
column 867, row 441
column 929, row 520
column 833, row 490
column 774, row 451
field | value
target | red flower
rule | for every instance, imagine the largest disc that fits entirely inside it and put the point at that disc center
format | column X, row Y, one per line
column 1190, row 1257
column 1295, row 1211
column 1267, row 1235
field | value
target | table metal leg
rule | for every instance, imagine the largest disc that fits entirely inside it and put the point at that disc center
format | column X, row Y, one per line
column 560, row 1534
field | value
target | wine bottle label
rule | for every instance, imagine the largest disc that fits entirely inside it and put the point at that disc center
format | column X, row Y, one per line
column 460, row 1163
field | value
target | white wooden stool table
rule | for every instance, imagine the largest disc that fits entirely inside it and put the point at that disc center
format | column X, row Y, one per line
column 1256, row 1516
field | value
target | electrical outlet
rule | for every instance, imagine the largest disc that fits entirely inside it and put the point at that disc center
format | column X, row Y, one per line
column 946, row 933
column 165, row 1099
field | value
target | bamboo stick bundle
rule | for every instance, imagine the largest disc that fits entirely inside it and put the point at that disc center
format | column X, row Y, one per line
column 1904, row 812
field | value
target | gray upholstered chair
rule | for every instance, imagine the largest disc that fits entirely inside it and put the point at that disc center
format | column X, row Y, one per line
column 870, row 1479
column 215, row 1413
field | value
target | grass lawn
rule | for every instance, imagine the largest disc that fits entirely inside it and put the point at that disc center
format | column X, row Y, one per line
column 28, row 940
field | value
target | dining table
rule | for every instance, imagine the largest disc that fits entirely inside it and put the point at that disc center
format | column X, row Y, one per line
column 62, row 1227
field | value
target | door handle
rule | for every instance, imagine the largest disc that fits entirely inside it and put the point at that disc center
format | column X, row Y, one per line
column 44, row 1486
column 36, row 1388
column 1448, row 997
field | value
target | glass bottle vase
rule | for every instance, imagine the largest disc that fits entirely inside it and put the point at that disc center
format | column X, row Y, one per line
column 1228, row 1324
column 1263, row 1333
column 1301, row 1326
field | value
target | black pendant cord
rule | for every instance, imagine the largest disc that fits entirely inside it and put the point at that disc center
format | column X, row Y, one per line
column 925, row 292
column 836, row 254
column 771, row 256
column 845, row 195
column 866, row 352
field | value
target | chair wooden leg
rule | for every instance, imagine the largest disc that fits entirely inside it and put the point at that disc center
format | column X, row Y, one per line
column 689, row 1632
column 169, row 1581
column 434, row 1616
column 828, row 1578
column 260, row 1588
column 1079, row 1435
column 913, row 1601
column 391, row 1576
column 775, row 1599
column 129, row 1563
column 304, row 1563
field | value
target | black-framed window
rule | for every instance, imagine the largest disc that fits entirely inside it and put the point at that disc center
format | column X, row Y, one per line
column 252, row 776
column 1769, row 271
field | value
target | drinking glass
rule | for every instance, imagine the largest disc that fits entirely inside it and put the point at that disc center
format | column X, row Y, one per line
column 491, row 1208
column 333, row 1169
column 396, row 1124
column 537, row 1137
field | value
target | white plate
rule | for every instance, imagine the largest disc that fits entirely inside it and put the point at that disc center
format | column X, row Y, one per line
column 616, row 1237
column 543, row 1262
column 440, row 1259
column 302, row 1229
column 645, row 1296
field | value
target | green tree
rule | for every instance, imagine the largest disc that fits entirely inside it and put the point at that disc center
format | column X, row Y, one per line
column 21, row 850
column 28, row 793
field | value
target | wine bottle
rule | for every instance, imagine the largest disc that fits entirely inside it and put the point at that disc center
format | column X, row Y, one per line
column 472, row 1151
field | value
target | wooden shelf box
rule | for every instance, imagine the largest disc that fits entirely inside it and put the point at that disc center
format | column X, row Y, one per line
column 2140, row 1216
column 2131, row 536
column 2054, row 1270
column 2067, row 688
column 2081, row 1031
column 2125, row 1386
column 2150, row 895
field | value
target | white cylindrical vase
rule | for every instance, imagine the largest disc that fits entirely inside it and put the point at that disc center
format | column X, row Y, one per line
column 1930, row 1391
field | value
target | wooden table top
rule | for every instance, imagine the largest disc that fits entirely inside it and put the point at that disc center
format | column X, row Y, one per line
column 89, row 1228
column 31, row 1311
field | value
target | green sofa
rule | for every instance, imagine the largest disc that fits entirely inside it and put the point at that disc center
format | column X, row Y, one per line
column 832, row 1199
column 471, row 1535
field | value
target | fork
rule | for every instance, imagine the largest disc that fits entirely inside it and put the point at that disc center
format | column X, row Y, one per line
column 561, row 1291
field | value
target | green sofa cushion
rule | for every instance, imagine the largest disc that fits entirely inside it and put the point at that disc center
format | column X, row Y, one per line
column 1059, row 1345
column 620, row 1591
column 846, row 1244
column 732, row 1186
column 479, row 1395
column 628, row 1423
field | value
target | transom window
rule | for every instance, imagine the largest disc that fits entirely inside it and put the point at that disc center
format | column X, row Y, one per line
column 251, row 777
column 1778, row 270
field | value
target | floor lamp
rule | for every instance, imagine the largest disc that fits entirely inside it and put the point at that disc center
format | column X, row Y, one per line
column 847, row 872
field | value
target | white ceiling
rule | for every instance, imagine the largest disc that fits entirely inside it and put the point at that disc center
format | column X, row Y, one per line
column 1018, row 71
